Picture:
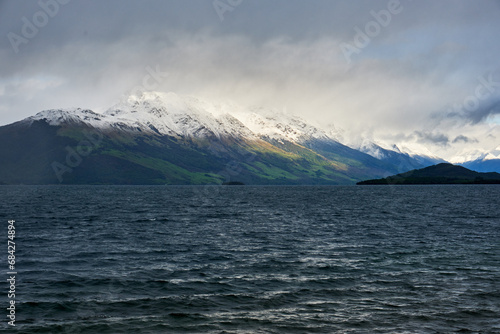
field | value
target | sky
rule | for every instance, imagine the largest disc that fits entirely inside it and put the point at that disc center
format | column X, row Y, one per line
column 420, row 74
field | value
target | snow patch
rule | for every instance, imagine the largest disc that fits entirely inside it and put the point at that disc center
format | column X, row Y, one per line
column 175, row 115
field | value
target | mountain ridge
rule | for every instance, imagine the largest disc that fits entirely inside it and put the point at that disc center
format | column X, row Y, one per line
column 164, row 138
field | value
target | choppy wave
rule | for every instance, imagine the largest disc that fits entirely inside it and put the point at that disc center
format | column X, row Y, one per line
column 256, row 259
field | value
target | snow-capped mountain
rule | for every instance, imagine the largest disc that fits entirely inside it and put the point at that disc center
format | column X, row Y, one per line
column 167, row 138
column 482, row 161
column 477, row 155
column 404, row 157
column 164, row 114
column 174, row 115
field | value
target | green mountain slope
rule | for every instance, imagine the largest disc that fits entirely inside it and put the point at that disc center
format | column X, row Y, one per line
column 37, row 153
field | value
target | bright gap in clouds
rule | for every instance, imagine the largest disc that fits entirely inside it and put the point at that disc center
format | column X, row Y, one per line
column 494, row 120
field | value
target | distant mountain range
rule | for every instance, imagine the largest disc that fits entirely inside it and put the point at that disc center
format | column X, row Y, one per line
column 163, row 138
column 443, row 173
column 404, row 161
column 486, row 162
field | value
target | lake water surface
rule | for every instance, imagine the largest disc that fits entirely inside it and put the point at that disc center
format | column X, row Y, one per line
column 244, row 259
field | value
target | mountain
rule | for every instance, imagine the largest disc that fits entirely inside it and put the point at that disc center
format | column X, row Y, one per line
column 405, row 160
column 163, row 138
column 443, row 173
column 484, row 161
column 482, row 165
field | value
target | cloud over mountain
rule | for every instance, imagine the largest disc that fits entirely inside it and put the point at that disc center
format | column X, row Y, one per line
column 281, row 54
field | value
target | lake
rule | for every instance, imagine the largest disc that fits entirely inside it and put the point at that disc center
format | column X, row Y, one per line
column 254, row 259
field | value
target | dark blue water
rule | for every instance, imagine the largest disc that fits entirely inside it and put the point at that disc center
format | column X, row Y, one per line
column 409, row 259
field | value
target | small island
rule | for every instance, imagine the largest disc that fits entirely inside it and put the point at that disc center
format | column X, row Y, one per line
column 233, row 183
column 443, row 173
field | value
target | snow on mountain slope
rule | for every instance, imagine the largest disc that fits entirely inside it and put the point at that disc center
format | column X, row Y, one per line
column 480, row 160
column 476, row 155
column 372, row 149
column 491, row 155
column 174, row 115
column 171, row 114
column 56, row 117
column 405, row 158
column 417, row 150
column 277, row 125
column 413, row 151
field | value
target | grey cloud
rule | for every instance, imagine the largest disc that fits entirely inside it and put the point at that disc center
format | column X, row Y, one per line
column 473, row 114
column 431, row 137
column 423, row 137
column 282, row 53
column 484, row 110
column 463, row 139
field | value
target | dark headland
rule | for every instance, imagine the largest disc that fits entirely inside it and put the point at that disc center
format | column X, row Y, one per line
column 443, row 173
